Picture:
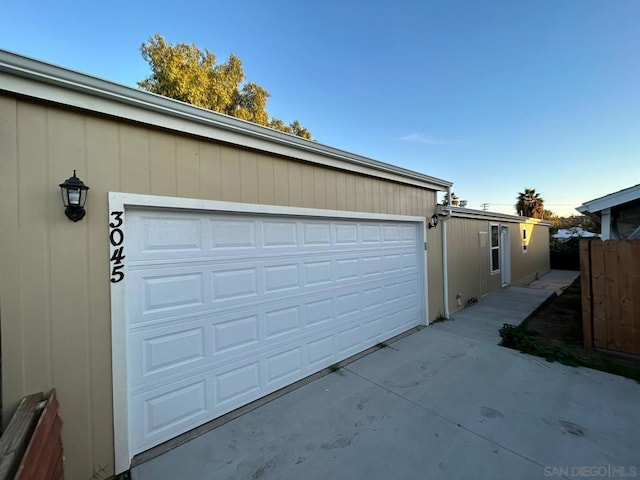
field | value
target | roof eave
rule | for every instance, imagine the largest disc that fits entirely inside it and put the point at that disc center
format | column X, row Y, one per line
column 464, row 212
column 18, row 66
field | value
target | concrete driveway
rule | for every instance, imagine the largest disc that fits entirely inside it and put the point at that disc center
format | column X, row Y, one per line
column 435, row 404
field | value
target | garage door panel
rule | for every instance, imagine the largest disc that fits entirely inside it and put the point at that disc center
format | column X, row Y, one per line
column 170, row 411
column 372, row 329
column 172, row 234
column 321, row 351
column 233, row 234
column 172, row 291
column 255, row 304
column 348, row 340
column 233, row 284
column 284, row 367
column 237, row 383
column 316, row 233
column 235, row 332
column 279, row 233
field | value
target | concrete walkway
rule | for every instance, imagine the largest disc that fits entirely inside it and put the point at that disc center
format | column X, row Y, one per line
column 435, row 404
column 483, row 320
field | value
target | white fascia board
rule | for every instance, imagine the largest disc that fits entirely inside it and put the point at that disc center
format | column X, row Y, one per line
column 612, row 200
column 462, row 212
column 33, row 78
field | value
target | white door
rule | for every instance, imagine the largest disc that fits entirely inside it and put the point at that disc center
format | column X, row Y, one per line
column 224, row 308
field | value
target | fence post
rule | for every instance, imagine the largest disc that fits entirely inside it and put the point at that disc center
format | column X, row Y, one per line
column 587, row 297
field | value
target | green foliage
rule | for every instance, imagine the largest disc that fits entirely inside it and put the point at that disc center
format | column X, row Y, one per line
column 187, row 73
column 519, row 338
column 530, row 204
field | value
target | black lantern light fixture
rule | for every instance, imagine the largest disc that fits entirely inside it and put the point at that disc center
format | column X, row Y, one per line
column 433, row 223
column 74, row 195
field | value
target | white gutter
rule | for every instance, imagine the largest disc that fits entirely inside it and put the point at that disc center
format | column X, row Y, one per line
column 445, row 257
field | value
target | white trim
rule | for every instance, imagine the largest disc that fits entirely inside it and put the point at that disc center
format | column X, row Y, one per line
column 445, row 256
column 121, row 440
column 425, row 274
column 605, row 224
column 505, row 255
column 26, row 76
column 612, row 200
column 119, row 201
column 491, row 248
column 460, row 212
column 156, row 201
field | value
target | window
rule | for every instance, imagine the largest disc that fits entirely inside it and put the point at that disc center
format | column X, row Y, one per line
column 525, row 244
column 495, row 248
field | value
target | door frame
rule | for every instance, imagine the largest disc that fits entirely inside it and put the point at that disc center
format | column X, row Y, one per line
column 118, row 204
column 505, row 255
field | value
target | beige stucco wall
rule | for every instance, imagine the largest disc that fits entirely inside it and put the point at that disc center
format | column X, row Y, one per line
column 54, row 274
column 468, row 241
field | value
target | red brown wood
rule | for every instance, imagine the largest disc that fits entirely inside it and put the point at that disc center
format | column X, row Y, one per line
column 585, row 281
column 43, row 457
column 16, row 437
column 611, row 294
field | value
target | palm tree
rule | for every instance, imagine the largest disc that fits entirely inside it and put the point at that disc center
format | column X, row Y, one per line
column 530, row 203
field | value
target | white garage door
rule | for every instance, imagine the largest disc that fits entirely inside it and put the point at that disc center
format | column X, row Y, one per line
column 223, row 309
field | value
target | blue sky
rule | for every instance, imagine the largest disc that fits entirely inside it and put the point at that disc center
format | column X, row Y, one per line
column 494, row 96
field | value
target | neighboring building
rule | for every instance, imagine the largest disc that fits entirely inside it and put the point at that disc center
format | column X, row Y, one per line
column 572, row 235
column 218, row 260
column 617, row 213
column 487, row 251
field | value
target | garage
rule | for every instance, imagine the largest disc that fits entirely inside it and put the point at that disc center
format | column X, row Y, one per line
column 224, row 307
column 218, row 260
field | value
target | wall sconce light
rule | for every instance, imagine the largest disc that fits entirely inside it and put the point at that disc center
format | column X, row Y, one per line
column 74, row 195
column 433, row 223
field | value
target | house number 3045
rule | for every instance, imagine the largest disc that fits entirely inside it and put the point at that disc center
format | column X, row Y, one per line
column 116, row 237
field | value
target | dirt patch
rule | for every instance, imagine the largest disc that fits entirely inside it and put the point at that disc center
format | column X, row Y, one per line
column 555, row 332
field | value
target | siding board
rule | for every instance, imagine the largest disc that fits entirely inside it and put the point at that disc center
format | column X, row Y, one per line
column 162, row 164
column 295, row 184
column 187, row 168
column 10, row 261
column 332, row 190
column 69, row 300
column 103, row 174
column 280, row 182
column 341, row 192
column 36, row 193
column 134, row 159
column 265, row 180
column 248, row 177
column 230, row 174
column 307, row 183
column 56, row 333
column 210, row 171
column 320, row 188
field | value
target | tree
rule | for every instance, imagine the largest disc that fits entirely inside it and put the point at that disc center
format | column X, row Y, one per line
column 530, row 204
column 187, row 73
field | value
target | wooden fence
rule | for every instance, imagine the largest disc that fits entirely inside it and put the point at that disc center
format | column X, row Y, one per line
column 31, row 446
column 610, row 273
